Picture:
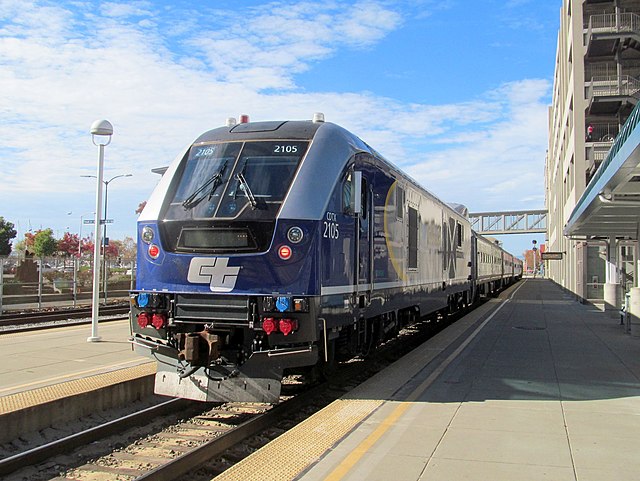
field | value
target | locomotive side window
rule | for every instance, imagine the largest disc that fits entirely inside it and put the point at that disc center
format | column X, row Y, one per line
column 399, row 202
column 353, row 194
column 365, row 200
column 413, row 239
column 459, row 233
column 346, row 195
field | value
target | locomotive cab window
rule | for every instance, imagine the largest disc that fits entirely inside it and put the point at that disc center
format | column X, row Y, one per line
column 231, row 179
column 232, row 192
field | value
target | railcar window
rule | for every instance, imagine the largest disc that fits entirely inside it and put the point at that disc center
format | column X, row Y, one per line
column 459, row 233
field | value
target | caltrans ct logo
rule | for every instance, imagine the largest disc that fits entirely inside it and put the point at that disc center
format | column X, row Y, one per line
column 213, row 271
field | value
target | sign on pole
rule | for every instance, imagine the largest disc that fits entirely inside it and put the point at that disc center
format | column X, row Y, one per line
column 102, row 222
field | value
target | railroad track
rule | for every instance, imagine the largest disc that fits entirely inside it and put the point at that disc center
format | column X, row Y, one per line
column 28, row 321
column 215, row 436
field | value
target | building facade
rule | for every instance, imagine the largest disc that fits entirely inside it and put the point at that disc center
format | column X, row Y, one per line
column 596, row 86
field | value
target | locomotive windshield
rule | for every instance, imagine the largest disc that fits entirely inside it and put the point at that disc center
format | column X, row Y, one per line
column 247, row 180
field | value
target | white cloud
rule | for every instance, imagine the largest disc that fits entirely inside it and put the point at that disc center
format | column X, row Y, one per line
column 129, row 9
column 496, row 165
column 162, row 78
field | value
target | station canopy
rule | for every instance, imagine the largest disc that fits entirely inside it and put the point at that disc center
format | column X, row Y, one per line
column 610, row 205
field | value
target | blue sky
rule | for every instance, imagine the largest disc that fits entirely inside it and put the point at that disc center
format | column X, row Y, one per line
column 453, row 92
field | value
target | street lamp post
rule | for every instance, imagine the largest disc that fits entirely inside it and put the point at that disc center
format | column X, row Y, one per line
column 101, row 132
column 534, row 252
column 104, row 260
column 104, row 230
column 80, row 231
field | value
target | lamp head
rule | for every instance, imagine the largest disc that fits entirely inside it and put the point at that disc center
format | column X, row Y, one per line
column 101, row 132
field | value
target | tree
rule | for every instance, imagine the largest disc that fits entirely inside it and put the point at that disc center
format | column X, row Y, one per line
column 112, row 251
column 7, row 232
column 87, row 245
column 68, row 245
column 21, row 245
column 129, row 249
column 44, row 243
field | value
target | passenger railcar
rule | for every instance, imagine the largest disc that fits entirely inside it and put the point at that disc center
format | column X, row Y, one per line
column 276, row 245
column 496, row 267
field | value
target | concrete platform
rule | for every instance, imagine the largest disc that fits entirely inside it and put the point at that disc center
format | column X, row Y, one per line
column 530, row 386
column 42, row 358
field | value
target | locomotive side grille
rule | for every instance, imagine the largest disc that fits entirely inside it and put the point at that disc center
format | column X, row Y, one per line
column 229, row 311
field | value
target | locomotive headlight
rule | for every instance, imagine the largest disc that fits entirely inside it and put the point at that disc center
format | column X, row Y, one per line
column 147, row 234
column 295, row 235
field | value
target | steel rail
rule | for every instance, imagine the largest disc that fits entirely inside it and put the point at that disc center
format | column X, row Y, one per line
column 61, row 446
column 204, row 453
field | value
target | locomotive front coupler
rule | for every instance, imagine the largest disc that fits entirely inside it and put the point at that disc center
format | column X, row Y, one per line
column 198, row 348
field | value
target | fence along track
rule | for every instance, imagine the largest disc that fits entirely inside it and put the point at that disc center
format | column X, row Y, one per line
column 47, row 319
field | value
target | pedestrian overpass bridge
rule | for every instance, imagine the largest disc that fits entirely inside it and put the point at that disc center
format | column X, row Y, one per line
column 511, row 222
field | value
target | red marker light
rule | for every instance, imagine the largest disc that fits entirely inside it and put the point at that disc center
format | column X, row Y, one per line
column 244, row 119
column 144, row 319
column 158, row 320
column 154, row 251
column 287, row 326
column 285, row 252
column 269, row 325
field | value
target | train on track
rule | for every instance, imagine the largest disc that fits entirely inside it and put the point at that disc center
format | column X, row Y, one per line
column 273, row 246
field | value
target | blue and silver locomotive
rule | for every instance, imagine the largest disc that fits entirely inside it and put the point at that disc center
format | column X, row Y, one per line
column 270, row 246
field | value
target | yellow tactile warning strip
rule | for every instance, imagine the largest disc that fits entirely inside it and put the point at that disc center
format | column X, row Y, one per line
column 354, row 456
column 289, row 455
column 34, row 397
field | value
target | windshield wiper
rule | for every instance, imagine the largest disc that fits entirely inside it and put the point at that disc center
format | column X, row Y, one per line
column 214, row 181
column 246, row 189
